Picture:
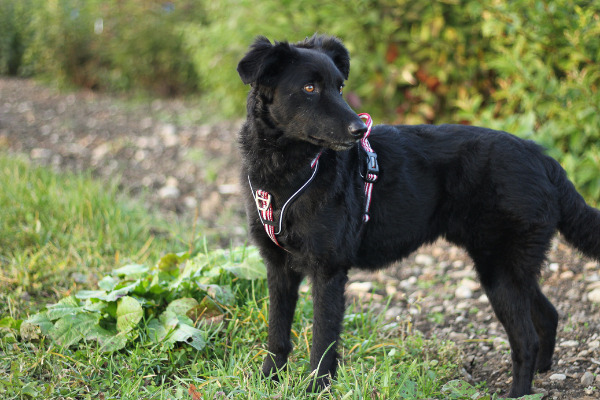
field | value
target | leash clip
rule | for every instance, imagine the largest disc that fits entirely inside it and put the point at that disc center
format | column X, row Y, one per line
column 372, row 167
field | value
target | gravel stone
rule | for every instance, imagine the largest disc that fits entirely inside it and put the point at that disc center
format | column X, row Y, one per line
column 424, row 259
column 587, row 379
column 360, row 287
column 463, row 292
column 594, row 296
column 558, row 377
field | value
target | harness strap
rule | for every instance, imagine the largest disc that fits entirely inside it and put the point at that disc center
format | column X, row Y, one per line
column 264, row 203
column 371, row 172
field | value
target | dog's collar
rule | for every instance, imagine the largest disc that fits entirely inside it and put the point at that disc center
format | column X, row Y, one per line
column 264, row 200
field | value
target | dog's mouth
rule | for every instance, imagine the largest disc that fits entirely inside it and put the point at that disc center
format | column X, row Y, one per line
column 337, row 146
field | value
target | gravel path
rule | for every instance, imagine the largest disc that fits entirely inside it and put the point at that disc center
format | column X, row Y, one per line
column 163, row 152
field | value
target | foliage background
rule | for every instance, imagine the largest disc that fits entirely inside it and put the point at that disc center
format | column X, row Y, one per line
column 530, row 67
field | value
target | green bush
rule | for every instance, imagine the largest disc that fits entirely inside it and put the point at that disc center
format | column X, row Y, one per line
column 144, row 43
column 409, row 57
column 114, row 45
column 546, row 58
column 15, row 19
column 63, row 44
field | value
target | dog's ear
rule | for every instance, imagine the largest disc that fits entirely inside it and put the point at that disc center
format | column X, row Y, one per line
column 333, row 47
column 263, row 62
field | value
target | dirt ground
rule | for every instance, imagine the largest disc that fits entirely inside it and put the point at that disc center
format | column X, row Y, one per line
column 161, row 151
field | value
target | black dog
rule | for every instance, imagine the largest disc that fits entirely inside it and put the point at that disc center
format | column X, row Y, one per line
column 494, row 194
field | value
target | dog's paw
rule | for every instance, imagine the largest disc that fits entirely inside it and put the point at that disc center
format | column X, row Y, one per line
column 543, row 362
column 318, row 384
column 272, row 365
column 543, row 366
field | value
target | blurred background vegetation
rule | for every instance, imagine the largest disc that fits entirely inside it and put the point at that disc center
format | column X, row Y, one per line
column 531, row 67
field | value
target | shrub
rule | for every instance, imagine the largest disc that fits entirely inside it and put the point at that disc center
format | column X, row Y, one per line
column 115, row 45
column 546, row 55
column 63, row 44
column 409, row 57
column 15, row 19
column 143, row 42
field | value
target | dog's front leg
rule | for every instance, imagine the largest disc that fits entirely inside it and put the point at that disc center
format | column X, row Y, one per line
column 328, row 305
column 283, row 284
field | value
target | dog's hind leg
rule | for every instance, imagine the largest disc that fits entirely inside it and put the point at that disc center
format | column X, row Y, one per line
column 283, row 295
column 511, row 290
column 545, row 319
column 328, row 306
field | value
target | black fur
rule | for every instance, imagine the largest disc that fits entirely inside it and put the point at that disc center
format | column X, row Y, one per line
column 496, row 195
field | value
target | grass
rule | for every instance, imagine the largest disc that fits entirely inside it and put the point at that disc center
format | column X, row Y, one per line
column 60, row 233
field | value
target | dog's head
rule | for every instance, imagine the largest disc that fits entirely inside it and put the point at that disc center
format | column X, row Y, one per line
column 301, row 87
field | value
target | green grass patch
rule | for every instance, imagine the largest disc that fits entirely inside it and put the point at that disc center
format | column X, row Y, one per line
column 142, row 324
column 58, row 232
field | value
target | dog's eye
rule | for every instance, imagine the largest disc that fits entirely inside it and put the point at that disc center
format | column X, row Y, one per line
column 341, row 90
column 309, row 88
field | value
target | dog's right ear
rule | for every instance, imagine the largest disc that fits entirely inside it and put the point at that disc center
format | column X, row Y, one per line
column 263, row 62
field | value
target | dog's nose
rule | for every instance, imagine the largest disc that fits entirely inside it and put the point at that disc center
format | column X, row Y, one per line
column 357, row 129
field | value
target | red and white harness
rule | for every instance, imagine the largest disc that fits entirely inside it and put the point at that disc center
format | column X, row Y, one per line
column 263, row 199
column 372, row 167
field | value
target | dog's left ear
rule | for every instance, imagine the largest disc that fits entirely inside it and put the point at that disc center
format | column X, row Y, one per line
column 333, row 47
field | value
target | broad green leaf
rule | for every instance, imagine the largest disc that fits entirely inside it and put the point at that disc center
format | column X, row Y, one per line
column 169, row 319
column 185, row 320
column 157, row 331
column 108, row 340
column 91, row 294
column 206, row 313
column 171, row 329
column 194, row 266
column 39, row 319
column 459, row 389
column 189, row 335
column 537, row 396
column 121, row 292
column 111, row 309
column 163, row 278
column 129, row 314
column 222, row 294
column 108, row 283
column 71, row 329
column 206, row 309
column 94, row 305
column 170, row 262
column 131, row 270
column 156, row 287
column 67, row 306
column 182, row 306
column 252, row 266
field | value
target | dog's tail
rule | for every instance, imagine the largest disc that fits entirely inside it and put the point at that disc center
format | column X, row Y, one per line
column 579, row 223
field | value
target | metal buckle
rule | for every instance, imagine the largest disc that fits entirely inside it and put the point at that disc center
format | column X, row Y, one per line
column 372, row 168
column 263, row 200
